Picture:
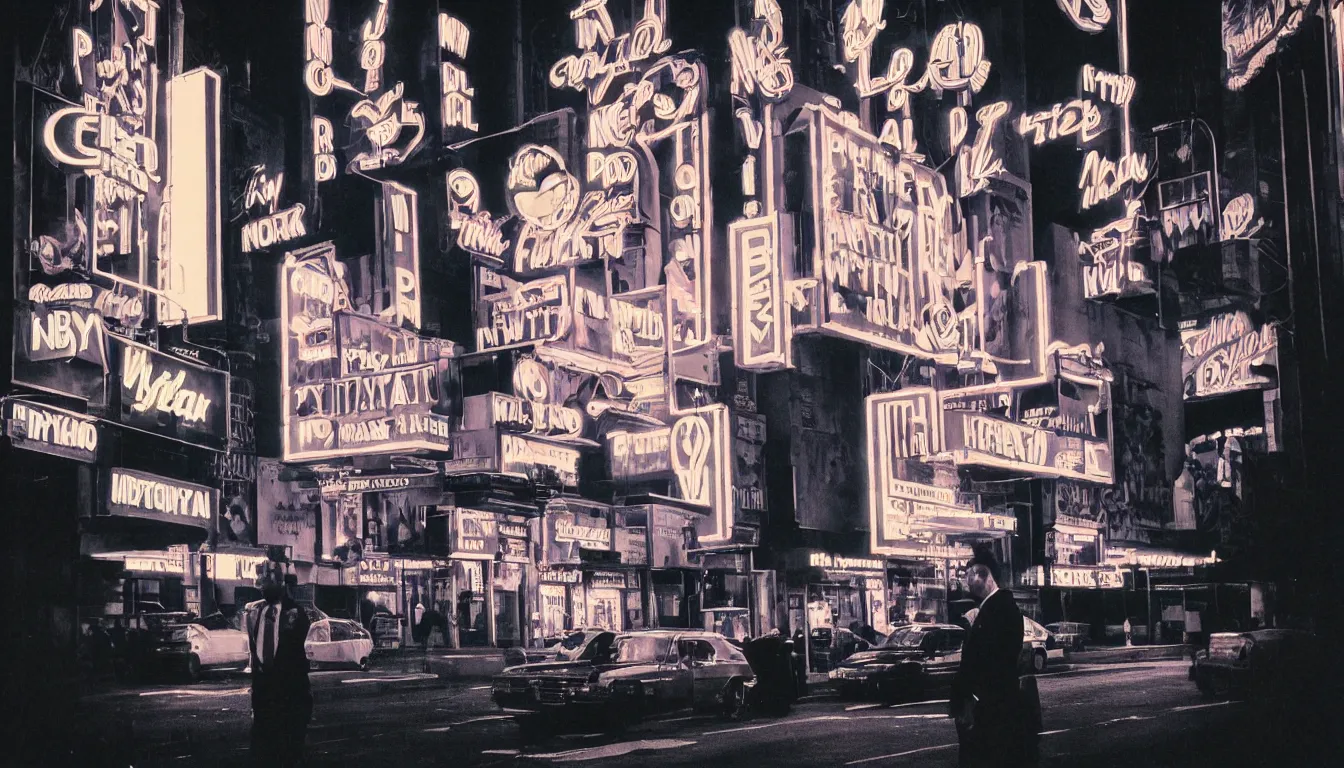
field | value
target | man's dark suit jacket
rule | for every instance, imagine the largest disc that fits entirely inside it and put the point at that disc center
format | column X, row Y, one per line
column 987, row 681
column 285, row 682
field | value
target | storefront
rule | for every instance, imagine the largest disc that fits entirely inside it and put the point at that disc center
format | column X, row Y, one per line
column 140, row 508
column 579, row 543
column 827, row 593
column 674, row 572
column 475, row 545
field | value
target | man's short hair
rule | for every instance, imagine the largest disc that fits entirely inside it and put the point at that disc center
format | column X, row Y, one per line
column 984, row 557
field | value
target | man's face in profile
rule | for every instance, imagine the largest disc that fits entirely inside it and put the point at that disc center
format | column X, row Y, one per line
column 977, row 581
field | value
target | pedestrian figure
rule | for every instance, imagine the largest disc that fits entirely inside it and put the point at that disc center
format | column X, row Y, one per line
column 1129, row 634
column 987, row 703
column 282, row 703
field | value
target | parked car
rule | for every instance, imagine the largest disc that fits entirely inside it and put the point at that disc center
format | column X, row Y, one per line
column 911, row 662
column 1070, row 635
column 211, row 642
column 338, row 642
column 150, row 644
column 638, row 674
column 1259, row 662
column 1036, row 643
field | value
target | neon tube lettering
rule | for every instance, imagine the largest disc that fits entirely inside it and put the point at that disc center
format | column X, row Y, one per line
column 1102, row 178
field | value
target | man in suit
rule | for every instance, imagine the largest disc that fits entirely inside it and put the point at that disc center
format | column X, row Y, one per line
column 282, row 703
column 985, row 701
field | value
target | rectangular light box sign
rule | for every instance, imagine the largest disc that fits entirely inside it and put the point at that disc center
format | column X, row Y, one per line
column 190, row 277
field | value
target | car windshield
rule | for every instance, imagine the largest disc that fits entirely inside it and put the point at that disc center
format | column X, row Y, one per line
column 572, row 641
column 636, row 648
column 905, row 638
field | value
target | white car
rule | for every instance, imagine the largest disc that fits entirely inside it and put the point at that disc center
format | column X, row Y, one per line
column 215, row 641
column 338, row 642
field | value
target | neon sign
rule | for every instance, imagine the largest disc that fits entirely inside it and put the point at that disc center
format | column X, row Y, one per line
column 354, row 385
column 605, row 56
column 1107, row 270
column 401, row 249
column 1088, row 15
column 140, row 494
column 190, row 266
column 1107, row 86
column 167, row 395
column 758, row 293
column 1079, row 117
column 759, row 62
column 889, row 246
column 55, row 431
column 1252, row 30
column 984, row 440
column 1103, row 178
column 519, row 455
column 1218, row 355
column 1237, row 215
column 454, row 37
column 513, row 314
column 275, row 229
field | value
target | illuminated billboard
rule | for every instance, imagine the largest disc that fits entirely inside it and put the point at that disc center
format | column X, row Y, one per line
column 354, row 385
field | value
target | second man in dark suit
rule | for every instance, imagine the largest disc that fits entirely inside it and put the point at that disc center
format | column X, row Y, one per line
column 985, row 695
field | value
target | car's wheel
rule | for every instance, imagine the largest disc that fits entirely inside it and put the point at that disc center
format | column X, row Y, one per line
column 364, row 664
column 735, row 701
column 627, row 708
column 1038, row 662
column 194, row 668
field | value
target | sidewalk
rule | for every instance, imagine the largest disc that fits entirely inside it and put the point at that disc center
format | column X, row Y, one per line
column 451, row 663
column 1124, row 655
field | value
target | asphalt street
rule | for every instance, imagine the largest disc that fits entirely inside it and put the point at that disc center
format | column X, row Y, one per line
column 1121, row 715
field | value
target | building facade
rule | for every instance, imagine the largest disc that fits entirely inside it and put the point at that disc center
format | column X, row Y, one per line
column 745, row 316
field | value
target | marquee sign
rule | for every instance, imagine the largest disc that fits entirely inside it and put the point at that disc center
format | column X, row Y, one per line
column 38, row 427
column 166, row 564
column 827, row 561
column 150, row 497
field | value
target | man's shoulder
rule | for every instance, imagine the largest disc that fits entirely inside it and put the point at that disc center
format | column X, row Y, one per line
column 1002, row 604
column 255, row 605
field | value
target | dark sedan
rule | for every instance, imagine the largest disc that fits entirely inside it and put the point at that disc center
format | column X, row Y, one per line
column 1260, row 662
column 641, row 673
column 911, row 662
